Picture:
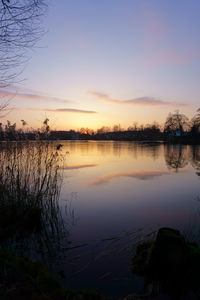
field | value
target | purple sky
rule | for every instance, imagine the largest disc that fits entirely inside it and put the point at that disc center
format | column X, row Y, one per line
column 111, row 61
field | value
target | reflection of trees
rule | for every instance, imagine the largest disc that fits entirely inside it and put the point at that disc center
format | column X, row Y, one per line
column 116, row 148
column 176, row 156
column 31, row 220
column 195, row 158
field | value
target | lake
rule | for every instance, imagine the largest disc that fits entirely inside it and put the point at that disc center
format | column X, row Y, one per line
column 116, row 194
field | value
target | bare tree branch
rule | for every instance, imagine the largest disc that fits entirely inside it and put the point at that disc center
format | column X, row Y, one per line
column 20, row 29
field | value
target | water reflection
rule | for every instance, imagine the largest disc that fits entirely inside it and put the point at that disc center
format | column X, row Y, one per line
column 142, row 175
column 128, row 186
column 179, row 156
column 118, row 187
column 176, row 156
column 195, row 159
column 114, row 148
column 78, row 166
column 126, row 180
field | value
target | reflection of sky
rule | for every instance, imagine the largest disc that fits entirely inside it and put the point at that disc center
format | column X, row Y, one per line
column 142, row 175
column 79, row 166
column 137, row 187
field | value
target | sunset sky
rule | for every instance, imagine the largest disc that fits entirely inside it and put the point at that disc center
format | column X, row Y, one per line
column 109, row 62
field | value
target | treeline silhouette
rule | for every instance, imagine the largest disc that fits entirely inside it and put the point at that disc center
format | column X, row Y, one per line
column 177, row 128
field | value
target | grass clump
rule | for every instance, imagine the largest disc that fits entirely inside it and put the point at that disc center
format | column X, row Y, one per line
column 23, row 279
column 30, row 183
column 31, row 222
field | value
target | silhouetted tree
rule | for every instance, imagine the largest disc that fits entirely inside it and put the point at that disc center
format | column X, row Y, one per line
column 103, row 129
column 117, row 128
column 135, row 126
column 195, row 130
column 19, row 30
column 152, row 128
column 3, row 106
column 176, row 121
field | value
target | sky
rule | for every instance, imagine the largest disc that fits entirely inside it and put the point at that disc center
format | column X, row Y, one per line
column 110, row 62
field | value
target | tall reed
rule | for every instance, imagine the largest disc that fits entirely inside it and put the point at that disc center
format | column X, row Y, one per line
column 30, row 183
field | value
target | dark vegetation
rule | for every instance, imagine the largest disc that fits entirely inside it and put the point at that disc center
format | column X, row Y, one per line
column 30, row 218
column 177, row 129
column 32, row 227
column 170, row 265
column 23, row 279
column 30, row 181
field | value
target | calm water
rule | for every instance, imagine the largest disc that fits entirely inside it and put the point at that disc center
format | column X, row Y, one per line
column 114, row 193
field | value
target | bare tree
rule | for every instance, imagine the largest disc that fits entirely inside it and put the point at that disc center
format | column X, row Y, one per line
column 176, row 121
column 20, row 28
column 3, row 106
column 196, row 123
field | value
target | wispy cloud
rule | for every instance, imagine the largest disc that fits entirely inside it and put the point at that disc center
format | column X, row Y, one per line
column 62, row 110
column 11, row 93
column 143, row 101
column 142, row 175
column 79, row 166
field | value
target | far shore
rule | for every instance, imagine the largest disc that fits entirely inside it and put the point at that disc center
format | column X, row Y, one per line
column 127, row 136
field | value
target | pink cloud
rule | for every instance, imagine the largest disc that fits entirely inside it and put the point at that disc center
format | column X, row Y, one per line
column 141, row 101
column 61, row 110
column 14, row 94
